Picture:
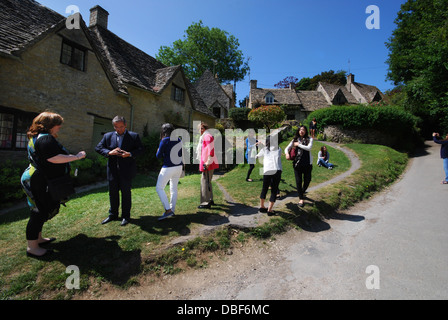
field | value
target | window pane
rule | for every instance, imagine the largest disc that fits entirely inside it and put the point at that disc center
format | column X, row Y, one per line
column 6, row 126
column 23, row 124
column 78, row 59
column 179, row 95
column 66, row 57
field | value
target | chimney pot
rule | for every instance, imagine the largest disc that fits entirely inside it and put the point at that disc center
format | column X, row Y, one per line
column 98, row 17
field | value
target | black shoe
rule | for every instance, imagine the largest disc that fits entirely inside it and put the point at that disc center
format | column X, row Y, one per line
column 109, row 219
column 124, row 222
column 263, row 210
column 211, row 203
column 47, row 242
column 204, row 206
column 271, row 213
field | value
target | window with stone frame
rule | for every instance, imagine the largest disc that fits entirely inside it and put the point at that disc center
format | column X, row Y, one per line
column 178, row 94
column 73, row 55
column 14, row 125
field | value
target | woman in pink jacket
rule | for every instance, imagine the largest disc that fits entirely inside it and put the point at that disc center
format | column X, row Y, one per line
column 207, row 166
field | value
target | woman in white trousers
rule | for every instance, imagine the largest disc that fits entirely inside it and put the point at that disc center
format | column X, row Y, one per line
column 171, row 152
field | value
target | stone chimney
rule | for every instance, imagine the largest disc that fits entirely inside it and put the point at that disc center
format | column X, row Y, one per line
column 253, row 84
column 292, row 86
column 98, row 17
column 350, row 81
column 350, row 78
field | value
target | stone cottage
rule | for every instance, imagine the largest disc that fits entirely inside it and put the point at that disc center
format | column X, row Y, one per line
column 87, row 74
column 217, row 97
column 299, row 104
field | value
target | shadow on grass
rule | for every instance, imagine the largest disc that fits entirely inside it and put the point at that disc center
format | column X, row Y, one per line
column 181, row 224
column 98, row 257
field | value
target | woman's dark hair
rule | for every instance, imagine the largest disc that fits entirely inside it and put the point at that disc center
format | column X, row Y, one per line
column 269, row 140
column 297, row 136
column 322, row 149
column 167, row 128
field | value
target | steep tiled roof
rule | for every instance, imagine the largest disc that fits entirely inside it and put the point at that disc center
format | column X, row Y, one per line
column 281, row 96
column 128, row 64
column 332, row 90
column 131, row 66
column 312, row 100
column 24, row 22
column 199, row 104
column 211, row 90
column 367, row 91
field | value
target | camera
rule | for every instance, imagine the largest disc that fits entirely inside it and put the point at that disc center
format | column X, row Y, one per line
column 204, row 167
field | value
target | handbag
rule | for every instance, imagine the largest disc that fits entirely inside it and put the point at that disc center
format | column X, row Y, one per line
column 60, row 188
column 292, row 153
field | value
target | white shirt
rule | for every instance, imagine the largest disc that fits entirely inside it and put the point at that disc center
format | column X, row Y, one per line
column 272, row 161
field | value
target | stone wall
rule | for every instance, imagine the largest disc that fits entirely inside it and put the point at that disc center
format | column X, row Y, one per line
column 368, row 136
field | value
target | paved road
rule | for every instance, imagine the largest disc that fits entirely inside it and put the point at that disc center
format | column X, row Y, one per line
column 401, row 232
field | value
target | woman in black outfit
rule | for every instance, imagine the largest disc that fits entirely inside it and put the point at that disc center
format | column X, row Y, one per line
column 303, row 162
column 48, row 160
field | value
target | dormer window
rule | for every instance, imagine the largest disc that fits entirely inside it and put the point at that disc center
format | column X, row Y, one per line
column 269, row 98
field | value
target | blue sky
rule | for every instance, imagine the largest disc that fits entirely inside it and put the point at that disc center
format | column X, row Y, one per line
column 299, row 38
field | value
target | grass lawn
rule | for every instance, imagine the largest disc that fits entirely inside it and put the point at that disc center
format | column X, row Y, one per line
column 119, row 255
column 249, row 192
column 107, row 252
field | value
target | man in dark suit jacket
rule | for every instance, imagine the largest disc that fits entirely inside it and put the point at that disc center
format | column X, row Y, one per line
column 120, row 147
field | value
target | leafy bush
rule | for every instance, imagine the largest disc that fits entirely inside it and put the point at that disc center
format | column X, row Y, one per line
column 391, row 119
column 90, row 170
column 148, row 160
column 268, row 116
column 239, row 114
column 10, row 175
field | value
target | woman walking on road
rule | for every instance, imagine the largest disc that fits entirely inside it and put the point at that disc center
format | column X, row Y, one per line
column 443, row 153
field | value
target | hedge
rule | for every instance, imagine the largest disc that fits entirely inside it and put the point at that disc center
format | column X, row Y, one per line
column 388, row 118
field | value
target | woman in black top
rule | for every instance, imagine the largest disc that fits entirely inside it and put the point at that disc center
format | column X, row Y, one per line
column 303, row 162
column 48, row 159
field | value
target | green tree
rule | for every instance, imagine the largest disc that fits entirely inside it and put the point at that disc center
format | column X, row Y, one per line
column 338, row 77
column 205, row 48
column 418, row 59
